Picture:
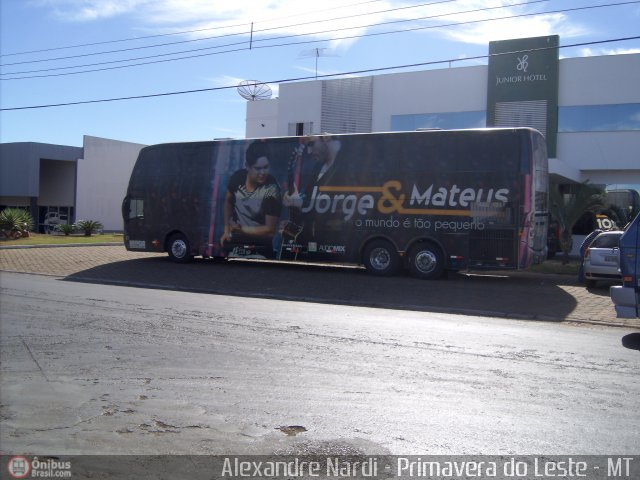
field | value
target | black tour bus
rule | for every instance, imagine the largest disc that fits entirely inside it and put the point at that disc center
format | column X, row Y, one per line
column 429, row 201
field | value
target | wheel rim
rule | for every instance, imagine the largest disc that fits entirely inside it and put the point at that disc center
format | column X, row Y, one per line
column 179, row 248
column 380, row 258
column 425, row 261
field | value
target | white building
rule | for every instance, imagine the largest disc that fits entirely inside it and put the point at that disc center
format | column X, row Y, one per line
column 598, row 136
column 102, row 180
column 62, row 184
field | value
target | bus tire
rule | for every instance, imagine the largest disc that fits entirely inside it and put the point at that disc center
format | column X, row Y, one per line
column 179, row 249
column 426, row 260
column 380, row 257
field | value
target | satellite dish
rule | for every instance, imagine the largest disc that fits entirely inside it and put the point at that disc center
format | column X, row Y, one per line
column 254, row 90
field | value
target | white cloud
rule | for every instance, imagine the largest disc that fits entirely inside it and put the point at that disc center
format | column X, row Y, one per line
column 90, row 10
column 224, row 80
column 329, row 20
column 497, row 20
column 590, row 52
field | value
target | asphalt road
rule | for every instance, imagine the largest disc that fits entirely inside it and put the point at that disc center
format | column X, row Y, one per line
column 102, row 369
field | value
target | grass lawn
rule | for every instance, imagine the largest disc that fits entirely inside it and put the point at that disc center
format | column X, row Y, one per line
column 43, row 239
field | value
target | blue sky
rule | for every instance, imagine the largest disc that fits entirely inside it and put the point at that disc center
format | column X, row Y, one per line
column 38, row 37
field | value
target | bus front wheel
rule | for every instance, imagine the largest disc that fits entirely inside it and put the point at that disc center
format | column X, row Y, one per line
column 426, row 260
column 179, row 249
column 380, row 257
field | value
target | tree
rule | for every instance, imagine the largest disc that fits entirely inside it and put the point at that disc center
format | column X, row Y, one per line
column 567, row 208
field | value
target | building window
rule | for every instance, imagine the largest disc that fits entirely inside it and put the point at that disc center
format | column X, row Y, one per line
column 50, row 217
column 298, row 129
column 444, row 121
column 599, row 118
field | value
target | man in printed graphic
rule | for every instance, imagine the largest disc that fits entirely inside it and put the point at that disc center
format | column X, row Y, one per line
column 324, row 151
column 253, row 202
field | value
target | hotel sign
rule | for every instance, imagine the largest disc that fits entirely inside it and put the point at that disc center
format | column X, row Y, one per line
column 523, row 85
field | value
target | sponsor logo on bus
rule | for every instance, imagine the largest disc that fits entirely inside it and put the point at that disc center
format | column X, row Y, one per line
column 453, row 200
column 333, row 249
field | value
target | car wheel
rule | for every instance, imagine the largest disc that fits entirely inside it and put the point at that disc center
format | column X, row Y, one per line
column 179, row 249
column 426, row 260
column 380, row 257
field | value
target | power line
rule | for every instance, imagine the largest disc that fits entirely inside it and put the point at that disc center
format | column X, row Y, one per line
column 300, row 43
column 184, row 32
column 251, row 32
column 288, row 80
column 107, row 52
column 226, row 45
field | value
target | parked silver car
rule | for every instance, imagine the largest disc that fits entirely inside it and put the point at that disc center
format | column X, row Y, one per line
column 602, row 258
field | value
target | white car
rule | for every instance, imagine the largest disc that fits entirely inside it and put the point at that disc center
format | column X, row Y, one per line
column 602, row 258
column 52, row 220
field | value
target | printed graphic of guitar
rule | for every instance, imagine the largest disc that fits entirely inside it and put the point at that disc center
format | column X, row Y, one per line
column 289, row 248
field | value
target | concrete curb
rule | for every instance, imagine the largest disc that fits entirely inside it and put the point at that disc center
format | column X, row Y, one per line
column 106, row 244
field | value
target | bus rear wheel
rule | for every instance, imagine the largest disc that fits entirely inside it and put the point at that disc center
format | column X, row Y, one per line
column 426, row 260
column 179, row 249
column 380, row 257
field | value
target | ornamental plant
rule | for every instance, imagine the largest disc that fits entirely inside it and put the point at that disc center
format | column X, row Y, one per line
column 65, row 228
column 88, row 226
column 15, row 223
column 568, row 208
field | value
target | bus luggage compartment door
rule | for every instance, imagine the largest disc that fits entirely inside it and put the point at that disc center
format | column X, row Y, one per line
column 493, row 249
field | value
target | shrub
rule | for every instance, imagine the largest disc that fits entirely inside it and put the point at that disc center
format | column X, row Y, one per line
column 88, row 226
column 65, row 228
column 15, row 223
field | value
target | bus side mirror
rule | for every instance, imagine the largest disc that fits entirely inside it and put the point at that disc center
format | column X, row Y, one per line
column 125, row 209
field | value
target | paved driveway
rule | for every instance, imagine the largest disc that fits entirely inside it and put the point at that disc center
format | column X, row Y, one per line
column 515, row 295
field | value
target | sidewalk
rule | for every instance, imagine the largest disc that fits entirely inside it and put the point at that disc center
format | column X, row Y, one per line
column 521, row 295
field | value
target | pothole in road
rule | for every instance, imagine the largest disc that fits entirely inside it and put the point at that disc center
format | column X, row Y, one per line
column 291, row 430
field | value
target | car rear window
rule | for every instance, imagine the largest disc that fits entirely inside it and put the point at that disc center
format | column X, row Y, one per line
column 606, row 241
